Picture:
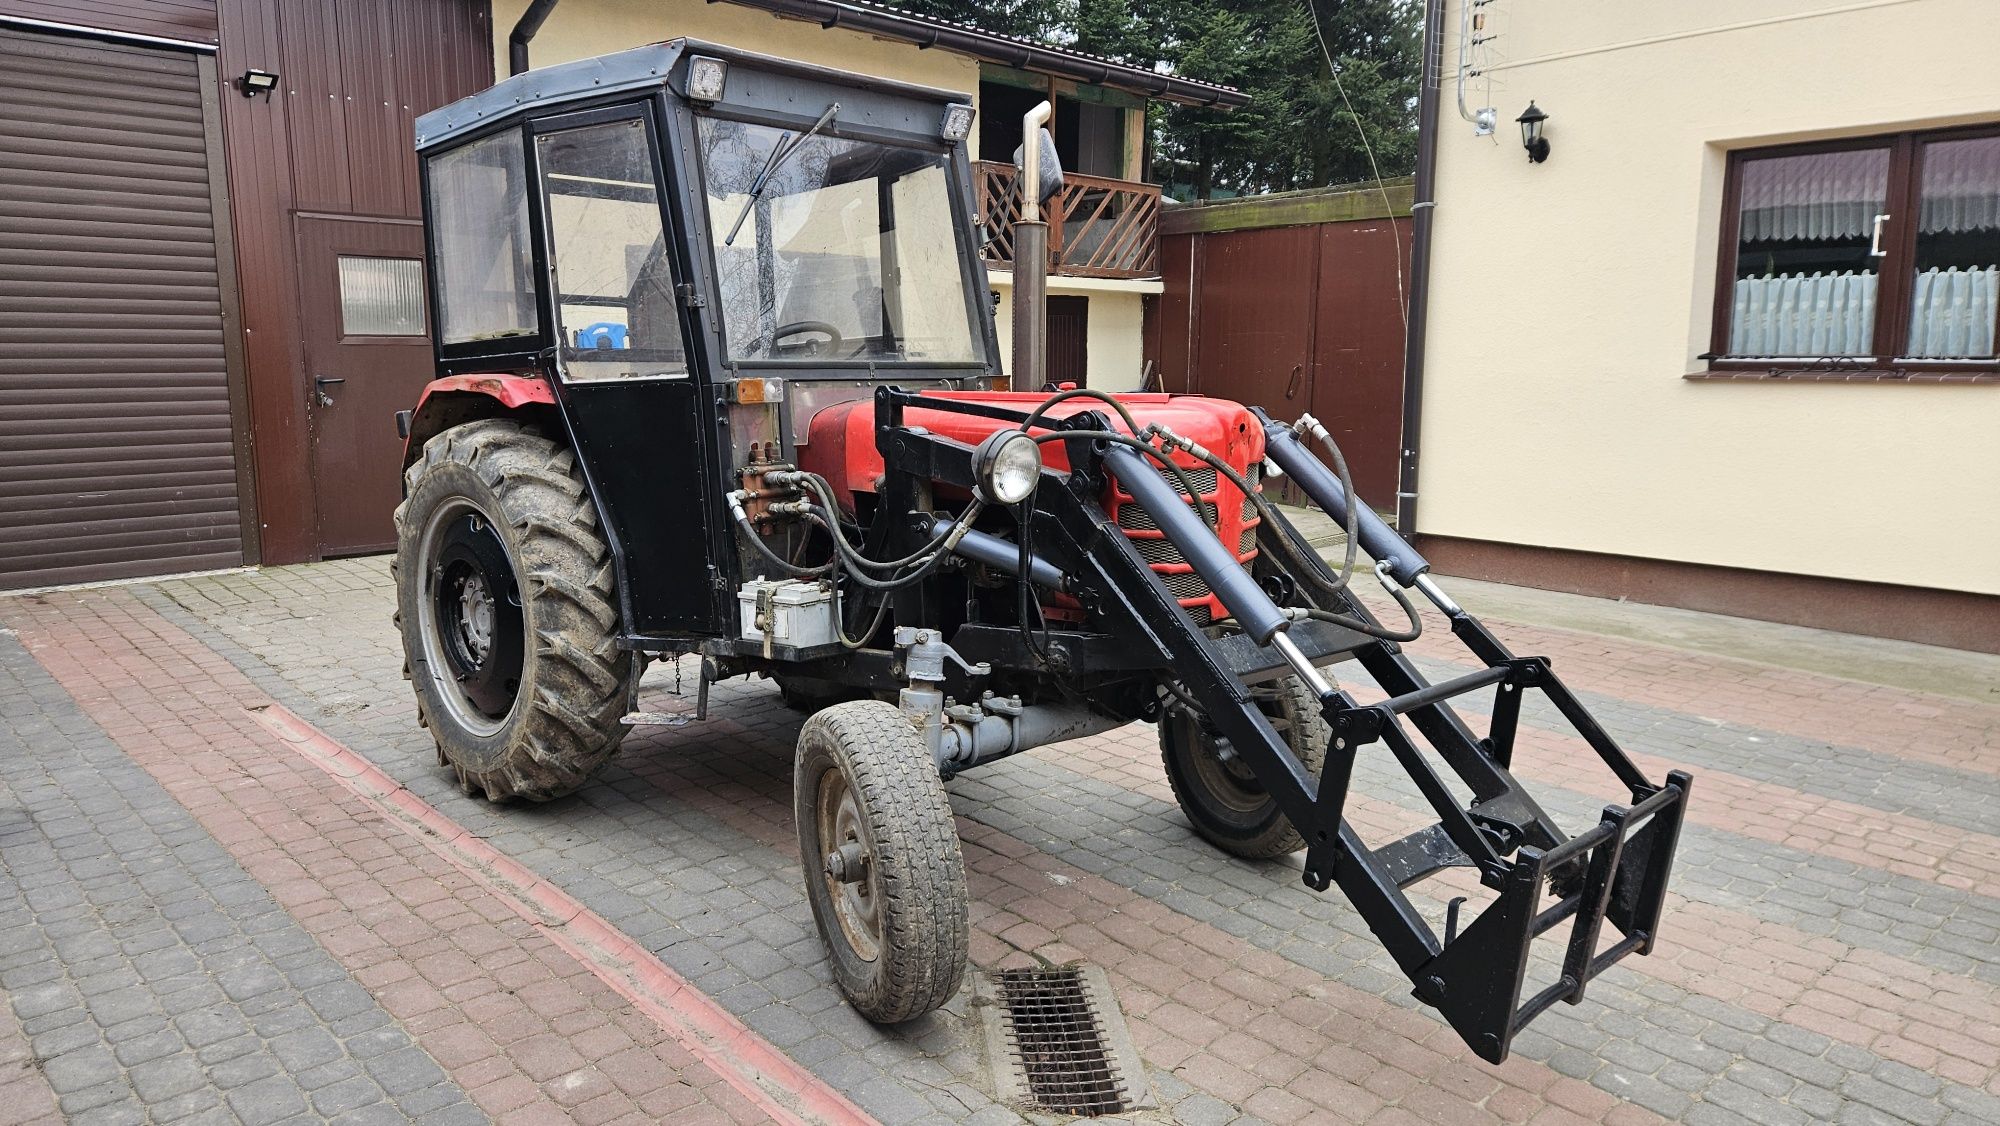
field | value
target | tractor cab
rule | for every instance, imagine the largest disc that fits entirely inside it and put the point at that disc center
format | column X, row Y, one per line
column 690, row 250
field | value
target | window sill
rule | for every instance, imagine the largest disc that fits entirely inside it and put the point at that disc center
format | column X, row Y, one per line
column 1857, row 375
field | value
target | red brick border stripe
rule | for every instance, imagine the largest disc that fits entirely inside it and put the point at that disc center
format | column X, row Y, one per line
column 746, row 1061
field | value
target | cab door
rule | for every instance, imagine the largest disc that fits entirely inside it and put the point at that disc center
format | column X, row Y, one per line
column 640, row 417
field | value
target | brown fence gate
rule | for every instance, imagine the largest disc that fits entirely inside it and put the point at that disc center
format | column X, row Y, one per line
column 1293, row 303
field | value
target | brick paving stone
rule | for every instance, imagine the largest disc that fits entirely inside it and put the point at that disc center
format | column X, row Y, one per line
column 1791, row 957
column 53, row 767
column 402, row 910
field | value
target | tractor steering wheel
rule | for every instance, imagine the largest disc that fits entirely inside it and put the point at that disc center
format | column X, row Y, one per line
column 812, row 348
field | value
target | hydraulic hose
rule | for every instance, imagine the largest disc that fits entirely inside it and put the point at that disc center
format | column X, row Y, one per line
column 824, row 491
column 846, row 557
column 1035, row 416
column 924, row 567
column 742, row 518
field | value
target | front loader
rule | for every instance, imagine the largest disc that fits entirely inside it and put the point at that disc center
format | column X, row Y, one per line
column 718, row 377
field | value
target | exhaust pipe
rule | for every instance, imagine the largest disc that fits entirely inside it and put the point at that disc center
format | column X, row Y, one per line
column 1030, row 368
column 531, row 21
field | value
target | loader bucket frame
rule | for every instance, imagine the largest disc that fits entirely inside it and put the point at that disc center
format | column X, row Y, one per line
column 1616, row 871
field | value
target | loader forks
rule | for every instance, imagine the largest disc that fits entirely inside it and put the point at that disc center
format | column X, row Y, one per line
column 1616, row 871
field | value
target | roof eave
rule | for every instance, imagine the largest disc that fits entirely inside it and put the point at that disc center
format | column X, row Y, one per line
column 962, row 39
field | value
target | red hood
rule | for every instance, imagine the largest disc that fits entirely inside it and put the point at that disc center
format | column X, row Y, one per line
column 841, row 438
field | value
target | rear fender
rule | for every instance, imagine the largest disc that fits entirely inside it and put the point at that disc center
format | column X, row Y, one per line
column 459, row 399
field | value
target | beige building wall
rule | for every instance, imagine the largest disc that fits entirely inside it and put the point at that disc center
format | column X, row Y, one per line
column 1570, row 297
column 1115, row 343
column 579, row 29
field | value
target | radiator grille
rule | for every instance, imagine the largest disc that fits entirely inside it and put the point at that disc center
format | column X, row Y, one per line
column 1133, row 518
column 1238, row 528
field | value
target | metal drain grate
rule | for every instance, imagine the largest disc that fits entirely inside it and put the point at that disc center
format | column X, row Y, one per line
column 1055, row 1038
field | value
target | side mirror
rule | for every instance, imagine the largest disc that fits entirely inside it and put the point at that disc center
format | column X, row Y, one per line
column 1051, row 165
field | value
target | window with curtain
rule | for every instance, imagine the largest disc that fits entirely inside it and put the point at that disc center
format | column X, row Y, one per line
column 1878, row 252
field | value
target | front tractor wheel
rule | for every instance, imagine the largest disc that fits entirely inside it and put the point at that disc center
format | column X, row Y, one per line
column 505, row 599
column 1219, row 792
column 882, row 863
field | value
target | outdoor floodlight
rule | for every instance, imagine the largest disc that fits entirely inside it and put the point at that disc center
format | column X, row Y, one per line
column 255, row 82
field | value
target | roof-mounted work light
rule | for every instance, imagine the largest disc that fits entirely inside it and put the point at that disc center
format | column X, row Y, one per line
column 705, row 78
column 957, row 122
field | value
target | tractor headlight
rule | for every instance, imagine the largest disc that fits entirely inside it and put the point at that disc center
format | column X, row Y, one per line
column 1007, row 465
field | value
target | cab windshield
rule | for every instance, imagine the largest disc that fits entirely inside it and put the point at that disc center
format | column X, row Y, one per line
column 846, row 252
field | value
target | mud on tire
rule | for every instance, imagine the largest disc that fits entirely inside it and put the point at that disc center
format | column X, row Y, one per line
column 496, row 506
column 897, row 938
column 1224, row 801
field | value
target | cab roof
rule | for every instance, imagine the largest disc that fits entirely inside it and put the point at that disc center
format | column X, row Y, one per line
column 894, row 106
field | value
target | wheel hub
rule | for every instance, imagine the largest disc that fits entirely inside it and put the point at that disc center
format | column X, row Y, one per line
column 475, row 622
column 474, row 627
column 1228, row 779
column 850, row 868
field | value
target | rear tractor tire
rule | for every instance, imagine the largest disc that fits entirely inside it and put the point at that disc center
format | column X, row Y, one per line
column 883, row 868
column 507, row 605
column 1218, row 791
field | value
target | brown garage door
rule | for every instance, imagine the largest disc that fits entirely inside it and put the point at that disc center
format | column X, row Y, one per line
column 116, row 453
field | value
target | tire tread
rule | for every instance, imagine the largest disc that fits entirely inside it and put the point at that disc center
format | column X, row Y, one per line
column 571, row 708
column 927, row 918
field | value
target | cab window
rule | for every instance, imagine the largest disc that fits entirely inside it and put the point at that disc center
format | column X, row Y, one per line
column 617, row 317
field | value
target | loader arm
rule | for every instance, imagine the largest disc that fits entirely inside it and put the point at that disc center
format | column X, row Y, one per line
column 1616, row 871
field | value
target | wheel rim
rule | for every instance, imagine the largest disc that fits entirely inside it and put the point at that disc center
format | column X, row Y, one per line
column 1231, row 782
column 857, row 904
column 470, row 617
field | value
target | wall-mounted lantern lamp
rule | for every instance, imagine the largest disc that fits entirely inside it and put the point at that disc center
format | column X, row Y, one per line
column 255, row 82
column 1531, row 120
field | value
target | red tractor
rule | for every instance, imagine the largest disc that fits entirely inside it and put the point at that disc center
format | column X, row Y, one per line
column 716, row 372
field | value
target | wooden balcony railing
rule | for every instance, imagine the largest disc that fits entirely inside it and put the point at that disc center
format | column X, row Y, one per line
column 1098, row 227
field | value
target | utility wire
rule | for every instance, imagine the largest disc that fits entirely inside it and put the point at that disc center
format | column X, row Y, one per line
column 1374, row 169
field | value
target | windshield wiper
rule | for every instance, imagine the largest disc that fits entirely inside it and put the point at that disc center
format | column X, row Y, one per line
column 780, row 153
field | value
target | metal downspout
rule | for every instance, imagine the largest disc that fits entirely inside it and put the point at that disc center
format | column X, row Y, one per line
column 517, row 40
column 1421, row 214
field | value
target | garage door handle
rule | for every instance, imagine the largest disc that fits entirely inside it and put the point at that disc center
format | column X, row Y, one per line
column 323, row 380
column 1292, row 387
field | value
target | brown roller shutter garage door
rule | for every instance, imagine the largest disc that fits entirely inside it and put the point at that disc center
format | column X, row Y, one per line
column 116, row 448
